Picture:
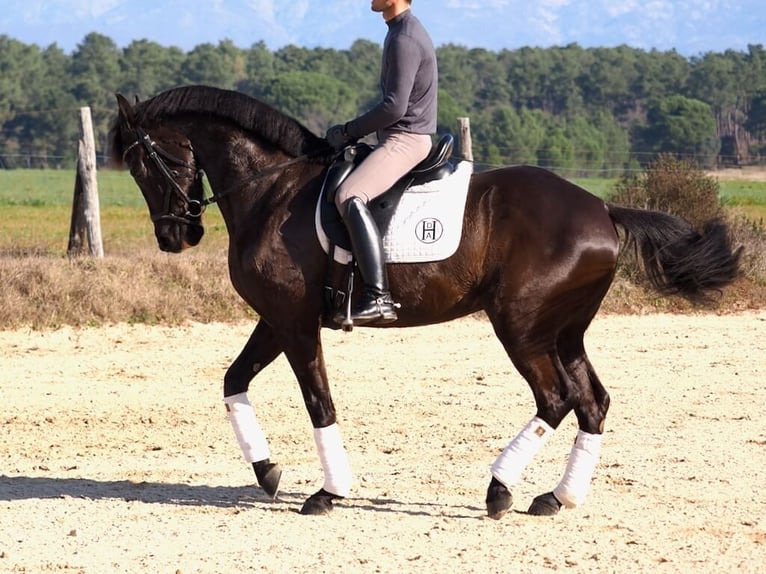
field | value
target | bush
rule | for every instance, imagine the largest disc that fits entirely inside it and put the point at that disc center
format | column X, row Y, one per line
column 752, row 236
column 672, row 186
column 681, row 188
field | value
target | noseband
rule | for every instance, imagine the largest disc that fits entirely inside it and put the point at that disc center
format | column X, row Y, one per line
column 161, row 158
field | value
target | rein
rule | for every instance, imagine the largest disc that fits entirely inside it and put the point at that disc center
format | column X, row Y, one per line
column 257, row 175
column 194, row 207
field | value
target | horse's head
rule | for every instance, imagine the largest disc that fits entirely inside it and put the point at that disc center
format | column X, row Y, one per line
column 162, row 162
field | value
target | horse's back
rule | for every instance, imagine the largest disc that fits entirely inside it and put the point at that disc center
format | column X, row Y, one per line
column 540, row 225
column 541, row 193
column 542, row 206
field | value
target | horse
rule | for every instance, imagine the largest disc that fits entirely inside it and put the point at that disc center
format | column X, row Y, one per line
column 537, row 255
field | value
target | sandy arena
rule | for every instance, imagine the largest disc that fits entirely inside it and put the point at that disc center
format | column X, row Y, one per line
column 116, row 454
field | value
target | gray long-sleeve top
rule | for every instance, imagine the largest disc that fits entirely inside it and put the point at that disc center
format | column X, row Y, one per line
column 408, row 80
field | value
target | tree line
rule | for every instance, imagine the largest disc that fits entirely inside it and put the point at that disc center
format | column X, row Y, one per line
column 593, row 110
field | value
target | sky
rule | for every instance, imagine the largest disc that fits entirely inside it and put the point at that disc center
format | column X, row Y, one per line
column 690, row 27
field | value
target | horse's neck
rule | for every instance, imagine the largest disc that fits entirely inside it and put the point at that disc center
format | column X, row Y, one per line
column 241, row 173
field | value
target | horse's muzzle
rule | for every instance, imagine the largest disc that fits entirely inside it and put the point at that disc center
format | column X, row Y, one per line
column 174, row 237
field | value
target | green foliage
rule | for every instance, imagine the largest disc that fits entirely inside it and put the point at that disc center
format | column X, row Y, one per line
column 584, row 111
column 148, row 68
column 756, row 120
column 676, row 124
column 319, row 100
column 220, row 65
column 95, row 71
column 449, row 111
column 557, row 150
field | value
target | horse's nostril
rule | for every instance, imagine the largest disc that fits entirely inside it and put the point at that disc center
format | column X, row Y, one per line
column 164, row 243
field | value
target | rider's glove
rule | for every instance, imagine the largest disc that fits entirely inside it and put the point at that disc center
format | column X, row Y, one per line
column 338, row 138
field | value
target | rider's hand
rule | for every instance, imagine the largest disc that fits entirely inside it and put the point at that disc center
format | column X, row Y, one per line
column 338, row 138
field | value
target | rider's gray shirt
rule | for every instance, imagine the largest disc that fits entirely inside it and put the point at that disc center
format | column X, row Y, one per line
column 408, row 80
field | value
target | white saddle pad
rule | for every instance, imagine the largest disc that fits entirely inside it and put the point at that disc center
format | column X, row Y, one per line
column 427, row 224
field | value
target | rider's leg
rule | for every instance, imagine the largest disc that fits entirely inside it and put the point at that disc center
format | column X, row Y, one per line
column 376, row 304
column 395, row 155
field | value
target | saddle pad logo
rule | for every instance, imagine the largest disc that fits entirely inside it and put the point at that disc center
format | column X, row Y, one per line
column 429, row 230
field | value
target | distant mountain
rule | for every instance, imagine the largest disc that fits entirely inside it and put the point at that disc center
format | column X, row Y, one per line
column 690, row 27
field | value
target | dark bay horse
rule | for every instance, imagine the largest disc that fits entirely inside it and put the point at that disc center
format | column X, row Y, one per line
column 537, row 255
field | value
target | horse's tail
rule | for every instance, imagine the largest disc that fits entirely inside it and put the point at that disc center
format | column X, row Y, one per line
column 677, row 259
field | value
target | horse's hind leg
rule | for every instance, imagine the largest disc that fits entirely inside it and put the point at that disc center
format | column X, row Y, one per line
column 591, row 407
column 552, row 390
column 260, row 350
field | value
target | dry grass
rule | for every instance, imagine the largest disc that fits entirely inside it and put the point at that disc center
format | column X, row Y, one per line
column 752, row 235
column 748, row 173
column 41, row 291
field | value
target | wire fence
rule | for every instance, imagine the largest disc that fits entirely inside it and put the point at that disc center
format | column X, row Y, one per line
column 579, row 169
column 45, row 161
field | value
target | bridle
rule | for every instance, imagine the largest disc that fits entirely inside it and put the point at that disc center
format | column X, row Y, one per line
column 196, row 204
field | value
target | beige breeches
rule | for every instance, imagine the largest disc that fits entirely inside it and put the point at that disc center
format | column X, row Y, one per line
column 396, row 154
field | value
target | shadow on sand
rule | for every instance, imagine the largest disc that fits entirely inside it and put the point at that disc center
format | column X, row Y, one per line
column 15, row 488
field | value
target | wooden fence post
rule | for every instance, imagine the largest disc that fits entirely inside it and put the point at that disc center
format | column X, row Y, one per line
column 86, row 216
column 464, row 139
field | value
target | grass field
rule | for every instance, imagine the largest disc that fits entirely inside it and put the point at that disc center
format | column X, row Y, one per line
column 36, row 210
column 747, row 196
column 37, row 207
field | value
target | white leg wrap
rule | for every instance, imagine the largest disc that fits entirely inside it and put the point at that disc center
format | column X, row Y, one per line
column 583, row 457
column 335, row 464
column 520, row 451
column 249, row 433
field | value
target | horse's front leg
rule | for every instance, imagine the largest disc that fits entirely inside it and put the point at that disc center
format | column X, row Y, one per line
column 260, row 350
column 304, row 352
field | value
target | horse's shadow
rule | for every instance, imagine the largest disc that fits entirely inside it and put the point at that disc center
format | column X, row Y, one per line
column 13, row 488
column 16, row 488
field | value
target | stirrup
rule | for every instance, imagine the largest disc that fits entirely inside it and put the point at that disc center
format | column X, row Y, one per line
column 377, row 311
column 386, row 311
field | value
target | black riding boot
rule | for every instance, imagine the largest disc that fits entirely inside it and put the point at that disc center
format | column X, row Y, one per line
column 376, row 305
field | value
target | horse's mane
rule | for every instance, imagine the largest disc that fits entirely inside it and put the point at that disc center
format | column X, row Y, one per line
column 247, row 112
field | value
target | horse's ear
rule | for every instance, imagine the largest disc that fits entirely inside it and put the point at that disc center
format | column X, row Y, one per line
column 127, row 114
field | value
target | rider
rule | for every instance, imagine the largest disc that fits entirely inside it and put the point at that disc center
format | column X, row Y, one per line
column 404, row 120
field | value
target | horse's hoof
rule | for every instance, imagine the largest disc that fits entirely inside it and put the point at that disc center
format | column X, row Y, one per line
column 268, row 475
column 319, row 503
column 545, row 505
column 499, row 499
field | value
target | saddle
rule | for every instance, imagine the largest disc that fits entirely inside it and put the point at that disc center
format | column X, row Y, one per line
column 435, row 166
